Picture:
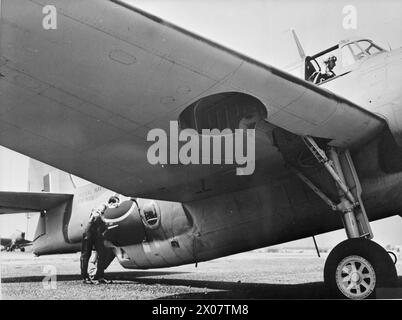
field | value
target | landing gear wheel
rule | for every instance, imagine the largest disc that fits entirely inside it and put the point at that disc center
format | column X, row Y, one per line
column 357, row 268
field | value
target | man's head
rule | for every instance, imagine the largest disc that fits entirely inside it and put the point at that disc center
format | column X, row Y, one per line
column 113, row 201
column 330, row 62
column 97, row 211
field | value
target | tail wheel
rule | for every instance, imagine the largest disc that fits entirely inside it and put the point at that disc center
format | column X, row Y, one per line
column 357, row 268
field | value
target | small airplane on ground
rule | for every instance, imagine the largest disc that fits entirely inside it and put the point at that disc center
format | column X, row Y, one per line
column 15, row 241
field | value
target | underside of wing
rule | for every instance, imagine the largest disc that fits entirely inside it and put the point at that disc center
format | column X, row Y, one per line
column 82, row 97
column 19, row 202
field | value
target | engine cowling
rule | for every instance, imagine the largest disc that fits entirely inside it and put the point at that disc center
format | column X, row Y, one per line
column 127, row 227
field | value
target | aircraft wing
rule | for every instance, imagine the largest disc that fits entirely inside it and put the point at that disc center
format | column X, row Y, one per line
column 81, row 93
column 20, row 202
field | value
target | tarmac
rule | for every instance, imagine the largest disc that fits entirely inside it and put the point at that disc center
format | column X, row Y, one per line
column 250, row 275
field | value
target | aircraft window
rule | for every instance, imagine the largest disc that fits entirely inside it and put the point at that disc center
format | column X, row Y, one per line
column 369, row 47
column 347, row 57
column 357, row 52
column 327, row 70
column 312, row 68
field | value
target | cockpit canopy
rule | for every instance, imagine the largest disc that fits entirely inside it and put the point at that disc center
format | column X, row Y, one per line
column 346, row 53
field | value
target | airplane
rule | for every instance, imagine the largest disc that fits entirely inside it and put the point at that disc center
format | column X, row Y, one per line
column 15, row 241
column 82, row 98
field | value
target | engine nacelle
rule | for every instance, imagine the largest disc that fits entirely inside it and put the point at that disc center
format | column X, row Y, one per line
column 126, row 222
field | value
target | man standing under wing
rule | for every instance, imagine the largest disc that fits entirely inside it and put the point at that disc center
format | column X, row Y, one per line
column 94, row 236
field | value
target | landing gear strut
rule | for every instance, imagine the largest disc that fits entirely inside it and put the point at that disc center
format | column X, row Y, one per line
column 357, row 268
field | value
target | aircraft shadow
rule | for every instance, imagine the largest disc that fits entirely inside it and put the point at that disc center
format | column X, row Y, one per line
column 215, row 289
column 239, row 290
column 121, row 276
column 235, row 290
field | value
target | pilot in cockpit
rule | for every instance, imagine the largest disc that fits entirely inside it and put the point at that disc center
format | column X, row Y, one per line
column 330, row 64
column 318, row 77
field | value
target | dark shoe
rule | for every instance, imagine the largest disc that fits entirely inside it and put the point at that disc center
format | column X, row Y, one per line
column 104, row 281
column 88, row 281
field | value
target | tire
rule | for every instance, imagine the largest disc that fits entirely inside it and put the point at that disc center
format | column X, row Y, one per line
column 358, row 269
column 22, row 249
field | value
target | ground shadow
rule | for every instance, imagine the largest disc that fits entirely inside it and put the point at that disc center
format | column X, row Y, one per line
column 127, row 276
column 217, row 289
column 236, row 290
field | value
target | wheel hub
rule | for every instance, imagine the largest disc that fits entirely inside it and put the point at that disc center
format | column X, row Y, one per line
column 355, row 277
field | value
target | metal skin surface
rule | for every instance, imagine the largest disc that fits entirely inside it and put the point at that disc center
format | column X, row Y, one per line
column 281, row 210
column 73, row 97
column 83, row 97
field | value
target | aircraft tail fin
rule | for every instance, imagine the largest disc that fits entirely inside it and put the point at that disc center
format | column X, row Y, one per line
column 42, row 177
column 297, row 68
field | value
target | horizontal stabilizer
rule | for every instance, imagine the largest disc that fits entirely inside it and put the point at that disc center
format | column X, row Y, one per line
column 19, row 202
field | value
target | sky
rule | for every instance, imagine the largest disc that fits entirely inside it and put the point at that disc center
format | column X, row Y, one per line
column 14, row 177
column 261, row 30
